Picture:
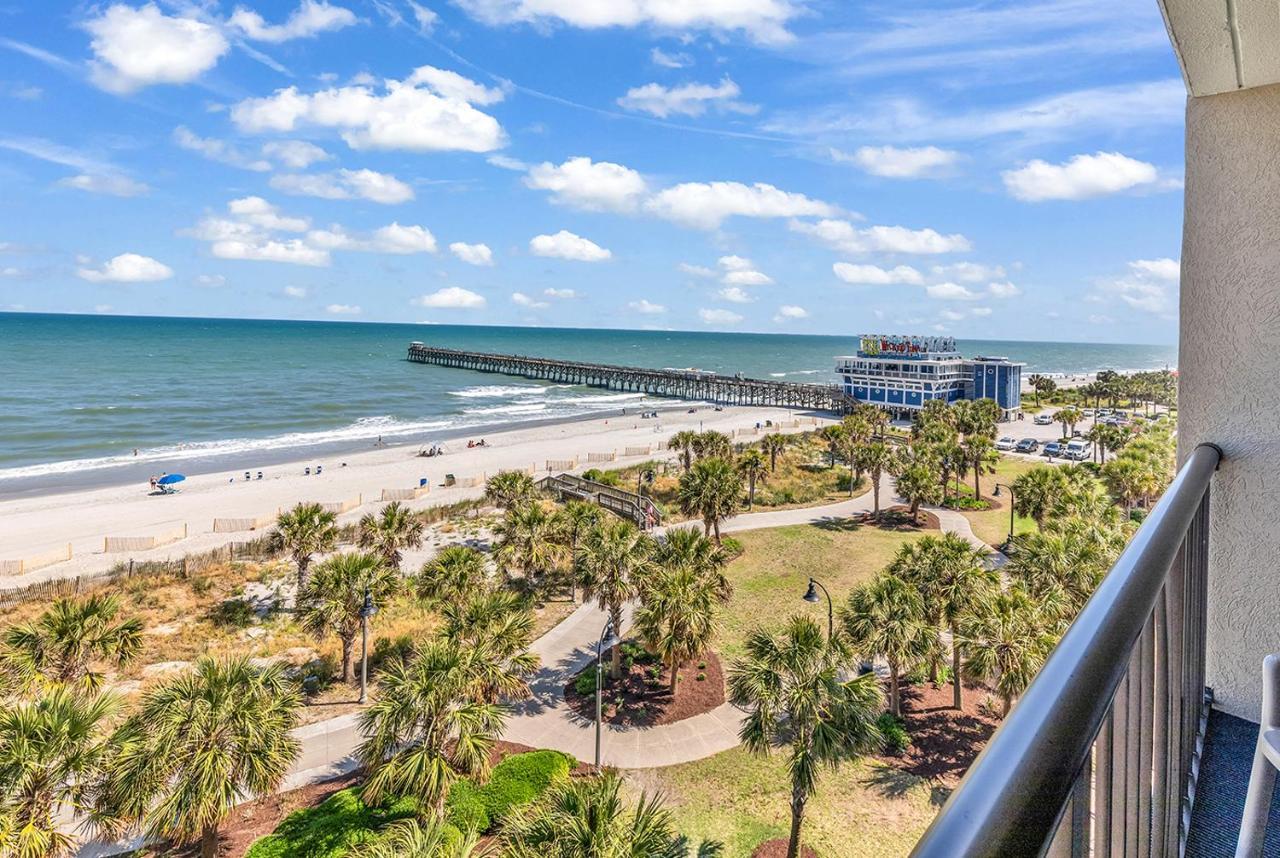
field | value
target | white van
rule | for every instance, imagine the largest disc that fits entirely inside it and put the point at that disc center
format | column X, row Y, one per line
column 1076, row 451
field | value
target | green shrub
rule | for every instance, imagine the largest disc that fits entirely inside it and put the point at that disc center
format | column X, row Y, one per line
column 330, row 829
column 465, row 808
column 609, row 478
column 232, row 614
column 585, row 684
column 386, row 650
column 732, row 548
column 896, row 738
column 637, row 653
column 965, row 502
column 1137, row 515
column 521, row 778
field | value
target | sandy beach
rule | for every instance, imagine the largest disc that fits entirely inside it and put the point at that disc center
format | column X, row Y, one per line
column 35, row 526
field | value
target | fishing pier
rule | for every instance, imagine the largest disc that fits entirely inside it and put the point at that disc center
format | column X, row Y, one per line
column 679, row 384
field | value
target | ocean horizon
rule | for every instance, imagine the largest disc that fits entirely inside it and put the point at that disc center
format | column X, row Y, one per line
column 83, row 392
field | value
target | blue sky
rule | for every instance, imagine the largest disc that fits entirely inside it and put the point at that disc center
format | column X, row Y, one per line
column 991, row 170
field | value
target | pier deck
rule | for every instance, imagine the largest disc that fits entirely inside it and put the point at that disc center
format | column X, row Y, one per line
column 680, row 384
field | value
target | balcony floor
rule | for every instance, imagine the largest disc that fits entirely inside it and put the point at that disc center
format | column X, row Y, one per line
column 1224, row 780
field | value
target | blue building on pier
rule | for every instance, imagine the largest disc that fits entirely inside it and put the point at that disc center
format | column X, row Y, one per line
column 901, row 373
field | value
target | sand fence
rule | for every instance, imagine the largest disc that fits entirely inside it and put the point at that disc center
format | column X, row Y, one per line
column 236, row 525
column 339, row 507
column 603, row 457
column 113, row 544
column 637, row 451
column 35, row 561
column 561, row 464
column 405, row 494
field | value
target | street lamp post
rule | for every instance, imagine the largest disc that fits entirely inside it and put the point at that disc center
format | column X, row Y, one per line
column 996, row 493
column 367, row 610
column 604, row 635
column 811, row 596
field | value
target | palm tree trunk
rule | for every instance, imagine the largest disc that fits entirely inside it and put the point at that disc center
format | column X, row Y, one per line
column 875, row 497
column 957, row 699
column 675, row 676
column 615, row 658
column 717, row 529
column 347, row 644
column 852, row 480
column 797, row 820
column 751, row 493
column 977, row 475
column 209, row 842
column 303, row 574
column 895, row 694
column 1007, row 704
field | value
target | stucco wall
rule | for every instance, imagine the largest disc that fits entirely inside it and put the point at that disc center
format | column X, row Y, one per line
column 1229, row 363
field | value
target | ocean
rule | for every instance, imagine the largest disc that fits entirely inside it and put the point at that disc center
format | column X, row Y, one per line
column 81, row 393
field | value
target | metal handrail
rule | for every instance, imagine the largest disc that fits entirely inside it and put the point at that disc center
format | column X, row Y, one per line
column 1014, row 795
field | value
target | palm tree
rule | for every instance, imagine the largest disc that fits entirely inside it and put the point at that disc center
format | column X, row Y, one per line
column 712, row 445
column 452, row 574
column 61, row 646
column 509, row 489
column 501, row 624
column 306, row 530
column 981, row 454
column 198, row 745
column 684, row 546
column 751, row 464
column 886, row 618
column 52, row 755
column 683, row 441
column 393, row 529
column 571, row 523
column 1129, row 479
column 588, row 818
column 832, row 436
column 876, row 458
column 712, row 491
column 526, row 542
column 918, row 484
column 611, row 561
column 1008, row 643
column 1068, row 417
column 1035, row 492
column 1041, row 384
column 953, row 579
column 430, row 724
column 774, row 445
column 412, row 838
column 791, row 685
column 1061, row 567
column 677, row 615
column 333, row 600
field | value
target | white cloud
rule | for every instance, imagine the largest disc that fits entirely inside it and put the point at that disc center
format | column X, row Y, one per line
column 689, row 99
column 696, row 270
column 218, row 150
column 134, row 48
column 566, row 245
column 211, row 280
column 706, row 205
column 522, row 300
column 735, row 263
column 592, row 186
column 562, row 294
column 127, row 268
column 506, row 162
column 295, row 291
column 102, row 308
column 952, row 315
column 1079, row 178
column 111, row 184
column 789, row 312
column 1003, row 289
column 311, row 18
column 346, row 185
column 950, row 292
column 472, row 254
column 1097, row 319
column 980, row 311
column 295, row 154
column 1163, row 269
column 764, row 21
column 1147, row 286
column 895, row 163
column 735, row 295
column 719, row 317
column 659, row 57
column 431, row 110
column 259, row 212
column 844, row 236
column 451, row 298
column 874, row 275
column 747, row 278
column 968, row 272
column 293, row 251
column 393, row 238
column 646, row 307
column 342, row 310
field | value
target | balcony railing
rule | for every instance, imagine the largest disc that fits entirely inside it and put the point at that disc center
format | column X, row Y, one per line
column 1100, row 756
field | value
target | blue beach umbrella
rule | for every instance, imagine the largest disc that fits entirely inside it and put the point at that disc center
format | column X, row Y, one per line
column 170, row 479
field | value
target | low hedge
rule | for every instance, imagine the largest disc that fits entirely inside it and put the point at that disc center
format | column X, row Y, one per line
column 330, row 829
column 517, row 780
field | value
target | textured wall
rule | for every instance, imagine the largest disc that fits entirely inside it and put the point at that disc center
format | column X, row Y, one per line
column 1229, row 362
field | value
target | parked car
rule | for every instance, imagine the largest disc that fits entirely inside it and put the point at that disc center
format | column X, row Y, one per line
column 1006, row 443
column 1043, row 420
column 1027, row 445
column 1053, row 448
column 1076, row 451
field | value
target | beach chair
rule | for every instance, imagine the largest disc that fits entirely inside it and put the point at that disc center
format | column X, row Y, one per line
column 1266, row 759
column 450, row 480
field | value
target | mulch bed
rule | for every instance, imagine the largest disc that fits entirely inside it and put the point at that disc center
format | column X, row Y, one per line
column 944, row 741
column 777, row 848
column 649, row 704
column 898, row 518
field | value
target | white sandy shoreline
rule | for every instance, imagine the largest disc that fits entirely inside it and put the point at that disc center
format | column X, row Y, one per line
column 35, row 525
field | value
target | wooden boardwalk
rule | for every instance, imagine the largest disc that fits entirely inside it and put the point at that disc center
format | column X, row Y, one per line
column 681, row 384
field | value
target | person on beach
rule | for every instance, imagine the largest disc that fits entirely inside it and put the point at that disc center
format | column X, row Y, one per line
column 153, row 484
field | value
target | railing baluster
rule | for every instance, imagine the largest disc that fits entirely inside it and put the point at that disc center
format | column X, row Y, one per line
column 1160, row 733
column 1119, row 768
column 1146, row 693
column 1104, row 787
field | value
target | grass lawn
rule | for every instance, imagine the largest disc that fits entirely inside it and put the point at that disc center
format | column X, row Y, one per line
column 863, row 810
column 992, row 525
column 772, row 574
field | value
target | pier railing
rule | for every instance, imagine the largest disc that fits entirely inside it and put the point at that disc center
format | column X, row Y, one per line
column 680, row 384
column 629, row 505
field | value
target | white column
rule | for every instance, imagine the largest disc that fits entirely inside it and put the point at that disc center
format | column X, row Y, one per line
column 1229, row 363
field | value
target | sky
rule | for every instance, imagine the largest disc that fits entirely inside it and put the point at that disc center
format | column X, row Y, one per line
column 995, row 170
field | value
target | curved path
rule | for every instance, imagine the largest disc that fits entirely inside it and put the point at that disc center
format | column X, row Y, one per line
column 546, row 721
